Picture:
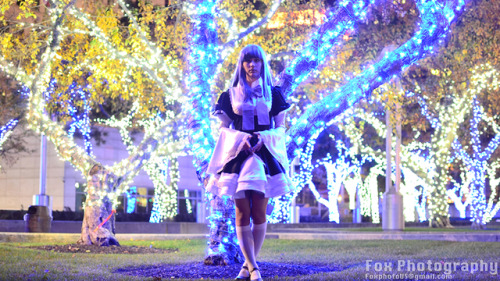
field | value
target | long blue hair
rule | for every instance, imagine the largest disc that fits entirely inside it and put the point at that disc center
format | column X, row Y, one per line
column 239, row 77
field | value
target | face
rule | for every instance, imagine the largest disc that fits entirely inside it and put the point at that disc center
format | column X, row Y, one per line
column 252, row 67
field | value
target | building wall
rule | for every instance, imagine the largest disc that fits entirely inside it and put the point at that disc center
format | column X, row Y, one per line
column 20, row 182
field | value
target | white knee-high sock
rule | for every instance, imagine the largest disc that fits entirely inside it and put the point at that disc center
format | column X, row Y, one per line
column 245, row 239
column 259, row 234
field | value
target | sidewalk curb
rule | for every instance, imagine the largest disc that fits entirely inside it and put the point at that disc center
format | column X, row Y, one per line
column 23, row 237
column 439, row 236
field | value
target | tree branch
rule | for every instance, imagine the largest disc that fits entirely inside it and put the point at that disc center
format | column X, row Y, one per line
column 130, row 60
column 252, row 28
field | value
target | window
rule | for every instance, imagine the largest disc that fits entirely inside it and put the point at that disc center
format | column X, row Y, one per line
column 80, row 196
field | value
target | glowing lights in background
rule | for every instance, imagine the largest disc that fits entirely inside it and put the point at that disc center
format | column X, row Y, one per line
column 494, row 181
column 369, row 195
column 131, row 199
column 281, row 206
column 477, row 161
column 162, row 167
column 459, row 193
column 222, row 242
column 80, row 116
column 337, row 172
column 414, row 190
column 6, row 130
column 164, row 172
column 77, row 108
column 436, row 19
column 189, row 206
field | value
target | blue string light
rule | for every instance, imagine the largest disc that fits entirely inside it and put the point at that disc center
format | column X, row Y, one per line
column 477, row 165
column 131, row 199
column 203, row 57
column 80, row 119
column 436, row 19
column 6, row 130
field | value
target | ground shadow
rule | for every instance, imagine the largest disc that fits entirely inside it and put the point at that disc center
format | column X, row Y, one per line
column 200, row 270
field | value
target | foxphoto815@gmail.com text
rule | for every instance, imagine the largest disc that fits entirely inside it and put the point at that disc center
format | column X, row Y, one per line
column 406, row 269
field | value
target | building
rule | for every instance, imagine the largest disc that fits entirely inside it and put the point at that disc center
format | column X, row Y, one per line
column 65, row 185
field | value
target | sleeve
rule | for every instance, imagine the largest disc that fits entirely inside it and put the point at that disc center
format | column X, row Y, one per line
column 223, row 106
column 279, row 102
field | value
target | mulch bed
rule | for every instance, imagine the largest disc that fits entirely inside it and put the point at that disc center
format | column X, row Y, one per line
column 78, row 248
column 196, row 270
column 202, row 271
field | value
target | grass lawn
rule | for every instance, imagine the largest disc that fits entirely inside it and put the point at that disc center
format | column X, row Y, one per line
column 20, row 263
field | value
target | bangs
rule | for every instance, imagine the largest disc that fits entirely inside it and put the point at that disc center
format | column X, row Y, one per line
column 246, row 54
column 250, row 52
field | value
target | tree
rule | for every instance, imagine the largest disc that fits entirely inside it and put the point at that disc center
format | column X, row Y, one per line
column 101, row 47
column 471, row 43
column 154, row 77
column 104, row 184
column 338, row 172
column 477, row 161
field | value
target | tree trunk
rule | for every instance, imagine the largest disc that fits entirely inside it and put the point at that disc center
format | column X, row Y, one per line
column 98, row 226
column 93, row 233
column 439, row 221
column 222, row 246
column 477, row 226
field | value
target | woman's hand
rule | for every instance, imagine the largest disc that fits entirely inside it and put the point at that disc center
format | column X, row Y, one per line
column 246, row 145
column 259, row 143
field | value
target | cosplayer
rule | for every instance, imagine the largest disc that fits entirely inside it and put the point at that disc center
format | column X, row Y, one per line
column 249, row 162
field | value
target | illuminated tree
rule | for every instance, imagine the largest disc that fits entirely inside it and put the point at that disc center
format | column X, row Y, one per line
column 338, row 171
column 165, row 83
column 494, row 180
column 427, row 161
column 104, row 184
column 74, row 42
column 414, row 165
column 477, row 161
column 470, row 44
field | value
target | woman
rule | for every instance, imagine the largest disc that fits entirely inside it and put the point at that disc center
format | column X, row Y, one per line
column 249, row 162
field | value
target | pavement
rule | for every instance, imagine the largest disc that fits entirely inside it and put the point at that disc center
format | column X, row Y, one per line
column 289, row 234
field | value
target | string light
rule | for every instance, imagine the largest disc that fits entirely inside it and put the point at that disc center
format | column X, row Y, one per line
column 493, row 207
column 337, row 172
column 131, row 199
column 204, row 65
column 79, row 116
column 203, row 59
column 6, row 130
column 459, row 191
column 436, row 20
column 477, row 162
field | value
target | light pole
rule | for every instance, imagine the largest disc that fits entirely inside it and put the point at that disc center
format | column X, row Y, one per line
column 39, row 216
column 392, row 202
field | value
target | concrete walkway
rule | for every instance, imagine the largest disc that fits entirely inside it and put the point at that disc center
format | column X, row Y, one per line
column 300, row 234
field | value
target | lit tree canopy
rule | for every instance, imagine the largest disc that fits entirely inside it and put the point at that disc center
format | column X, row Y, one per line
column 128, row 56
